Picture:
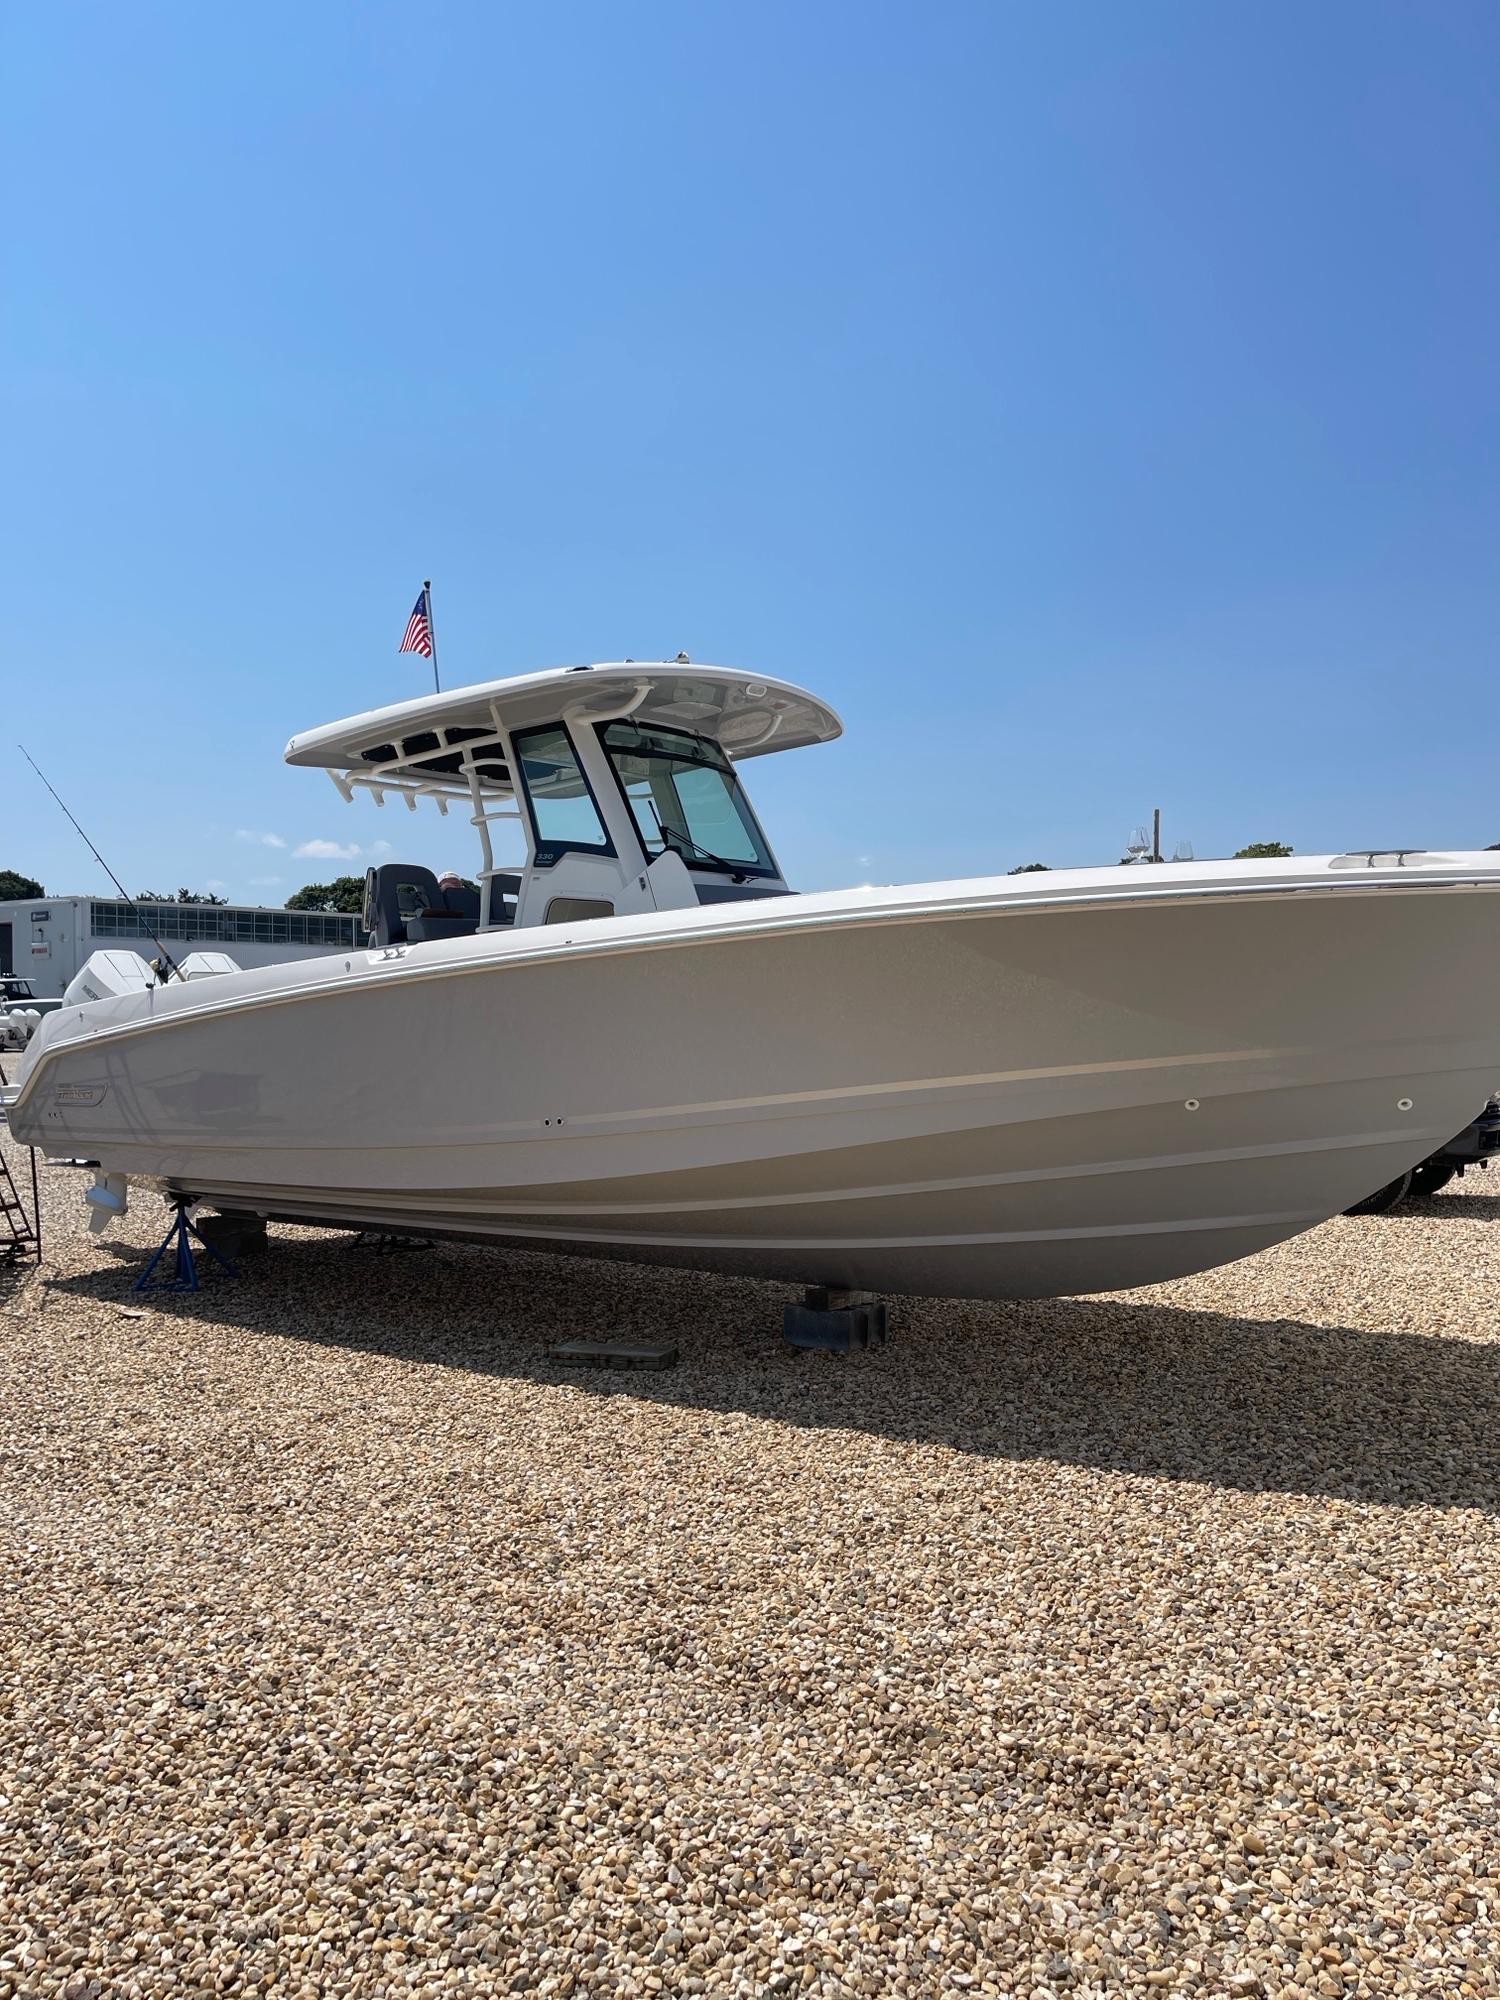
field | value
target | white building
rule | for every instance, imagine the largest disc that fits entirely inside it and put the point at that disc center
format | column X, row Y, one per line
column 47, row 938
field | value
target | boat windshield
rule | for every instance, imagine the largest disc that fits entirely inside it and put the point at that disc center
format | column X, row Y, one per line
column 682, row 793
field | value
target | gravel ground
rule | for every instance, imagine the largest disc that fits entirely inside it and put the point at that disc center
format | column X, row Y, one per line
column 1082, row 1648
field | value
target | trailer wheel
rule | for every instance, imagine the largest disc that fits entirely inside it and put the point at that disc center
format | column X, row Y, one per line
column 1383, row 1198
column 1430, row 1176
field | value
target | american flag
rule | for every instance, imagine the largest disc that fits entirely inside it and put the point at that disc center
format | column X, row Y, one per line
column 418, row 630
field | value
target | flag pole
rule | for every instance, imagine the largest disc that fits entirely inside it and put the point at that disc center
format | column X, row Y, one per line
column 431, row 632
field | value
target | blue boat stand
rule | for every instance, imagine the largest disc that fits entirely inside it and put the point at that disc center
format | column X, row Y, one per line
column 184, row 1276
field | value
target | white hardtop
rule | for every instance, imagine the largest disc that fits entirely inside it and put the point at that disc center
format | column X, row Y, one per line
column 444, row 744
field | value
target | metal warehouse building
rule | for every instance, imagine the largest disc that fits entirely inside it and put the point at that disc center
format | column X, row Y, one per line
column 47, row 938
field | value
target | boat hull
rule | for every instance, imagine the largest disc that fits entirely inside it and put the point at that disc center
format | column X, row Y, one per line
column 1040, row 1099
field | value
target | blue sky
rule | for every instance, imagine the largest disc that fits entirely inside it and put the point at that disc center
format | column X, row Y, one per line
column 1096, row 402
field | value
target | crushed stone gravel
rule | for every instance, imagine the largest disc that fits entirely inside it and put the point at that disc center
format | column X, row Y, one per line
column 1090, row 1647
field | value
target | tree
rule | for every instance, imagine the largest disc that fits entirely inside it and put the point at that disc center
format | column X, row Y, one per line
column 344, row 894
column 1264, row 850
column 182, row 896
column 16, row 888
column 1032, row 868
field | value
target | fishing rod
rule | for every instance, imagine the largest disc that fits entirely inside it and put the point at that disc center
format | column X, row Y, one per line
column 167, row 960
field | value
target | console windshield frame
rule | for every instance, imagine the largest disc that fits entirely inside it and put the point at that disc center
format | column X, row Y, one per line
column 684, row 749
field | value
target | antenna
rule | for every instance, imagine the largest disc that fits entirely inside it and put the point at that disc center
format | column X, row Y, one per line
column 167, row 959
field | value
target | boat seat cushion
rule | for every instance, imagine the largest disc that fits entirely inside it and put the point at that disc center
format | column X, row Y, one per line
column 462, row 902
column 429, row 924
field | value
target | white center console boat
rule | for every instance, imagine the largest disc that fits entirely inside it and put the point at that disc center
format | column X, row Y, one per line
column 640, row 1043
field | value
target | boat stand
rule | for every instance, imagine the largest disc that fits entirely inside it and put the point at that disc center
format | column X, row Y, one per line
column 835, row 1320
column 180, row 1237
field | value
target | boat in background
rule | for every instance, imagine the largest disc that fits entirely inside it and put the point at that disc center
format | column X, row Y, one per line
column 637, row 1041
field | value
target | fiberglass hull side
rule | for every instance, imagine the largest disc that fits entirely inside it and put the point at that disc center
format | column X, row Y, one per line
column 992, row 1103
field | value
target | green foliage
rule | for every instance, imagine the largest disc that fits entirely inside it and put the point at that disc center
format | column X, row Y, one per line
column 182, row 896
column 1263, row 850
column 16, row 888
column 1032, row 868
column 344, row 894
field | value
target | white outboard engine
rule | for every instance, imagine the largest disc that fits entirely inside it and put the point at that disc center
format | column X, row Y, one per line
column 17, row 1026
column 206, row 965
column 108, row 975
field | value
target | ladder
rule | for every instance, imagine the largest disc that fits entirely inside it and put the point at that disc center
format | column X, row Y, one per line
column 20, row 1229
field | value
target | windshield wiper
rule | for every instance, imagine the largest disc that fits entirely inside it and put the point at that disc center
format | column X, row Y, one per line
column 669, row 832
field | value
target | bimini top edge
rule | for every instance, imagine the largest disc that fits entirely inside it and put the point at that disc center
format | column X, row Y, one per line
column 442, row 742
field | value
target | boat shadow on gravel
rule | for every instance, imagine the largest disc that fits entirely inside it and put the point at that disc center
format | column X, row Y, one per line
column 1454, row 1207
column 1257, row 1405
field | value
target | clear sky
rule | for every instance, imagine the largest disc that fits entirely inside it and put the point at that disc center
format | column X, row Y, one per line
column 1096, row 400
